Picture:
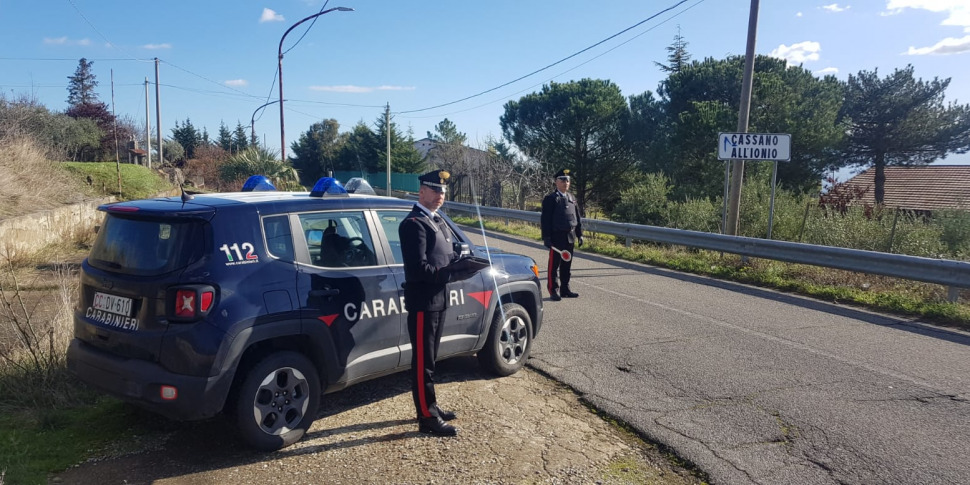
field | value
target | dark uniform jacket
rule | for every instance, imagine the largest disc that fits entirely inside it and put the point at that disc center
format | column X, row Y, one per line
column 560, row 217
column 427, row 250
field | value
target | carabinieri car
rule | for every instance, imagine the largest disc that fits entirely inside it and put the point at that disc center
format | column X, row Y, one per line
column 257, row 303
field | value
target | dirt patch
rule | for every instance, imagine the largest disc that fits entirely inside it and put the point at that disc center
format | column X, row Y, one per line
column 524, row 428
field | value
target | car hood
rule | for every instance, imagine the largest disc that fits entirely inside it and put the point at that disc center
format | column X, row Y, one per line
column 506, row 262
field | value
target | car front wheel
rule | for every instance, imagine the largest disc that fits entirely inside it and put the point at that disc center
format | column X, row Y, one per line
column 278, row 401
column 509, row 341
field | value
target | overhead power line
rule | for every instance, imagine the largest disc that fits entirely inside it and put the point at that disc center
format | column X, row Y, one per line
column 560, row 61
column 106, row 39
column 533, row 86
column 71, row 59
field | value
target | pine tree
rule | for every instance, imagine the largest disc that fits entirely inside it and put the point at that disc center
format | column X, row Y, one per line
column 187, row 136
column 678, row 57
column 225, row 137
column 447, row 132
column 82, row 83
column 900, row 120
column 240, row 139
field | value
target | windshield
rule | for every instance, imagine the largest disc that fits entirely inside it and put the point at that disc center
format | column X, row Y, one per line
column 147, row 246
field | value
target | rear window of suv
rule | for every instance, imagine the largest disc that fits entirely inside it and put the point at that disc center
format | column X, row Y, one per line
column 147, row 246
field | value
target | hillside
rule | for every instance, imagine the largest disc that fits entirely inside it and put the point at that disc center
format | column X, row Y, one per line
column 31, row 183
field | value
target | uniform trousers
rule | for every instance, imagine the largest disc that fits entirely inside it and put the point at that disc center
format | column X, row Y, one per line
column 558, row 267
column 424, row 329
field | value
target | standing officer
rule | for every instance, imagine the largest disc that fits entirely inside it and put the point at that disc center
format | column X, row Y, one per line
column 561, row 228
column 426, row 244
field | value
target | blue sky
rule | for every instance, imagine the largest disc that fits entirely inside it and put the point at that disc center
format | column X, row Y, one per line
column 218, row 60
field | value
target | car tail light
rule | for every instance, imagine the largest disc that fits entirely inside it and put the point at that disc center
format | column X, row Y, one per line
column 206, row 302
column 191, row 302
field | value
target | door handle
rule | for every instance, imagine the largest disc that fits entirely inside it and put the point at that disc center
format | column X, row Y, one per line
column 325, row 292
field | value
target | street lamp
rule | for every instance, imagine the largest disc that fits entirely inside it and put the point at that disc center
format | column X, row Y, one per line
column 282, row 132
column 252, row 121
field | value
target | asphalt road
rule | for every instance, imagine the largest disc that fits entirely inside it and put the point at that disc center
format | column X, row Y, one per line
column 758, row 386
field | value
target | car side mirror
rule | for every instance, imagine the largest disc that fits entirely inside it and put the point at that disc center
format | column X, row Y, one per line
column 463, row 249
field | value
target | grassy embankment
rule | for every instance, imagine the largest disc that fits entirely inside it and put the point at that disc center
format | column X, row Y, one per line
column 925, row 301
column 49, row 421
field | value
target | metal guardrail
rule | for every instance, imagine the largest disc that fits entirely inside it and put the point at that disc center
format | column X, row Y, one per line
column 950, row 273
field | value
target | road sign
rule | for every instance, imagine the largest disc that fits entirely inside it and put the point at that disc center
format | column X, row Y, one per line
column 754, row 146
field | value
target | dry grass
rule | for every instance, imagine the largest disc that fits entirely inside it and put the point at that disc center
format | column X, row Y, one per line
column 31, row 182
column 37, row 298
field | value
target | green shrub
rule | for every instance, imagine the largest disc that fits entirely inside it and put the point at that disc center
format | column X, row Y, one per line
column 259, row 161
column 696, row 215
column 954, row 232
column 788, row 214
column 137, row 182
column 860, row 228
column 645, row 203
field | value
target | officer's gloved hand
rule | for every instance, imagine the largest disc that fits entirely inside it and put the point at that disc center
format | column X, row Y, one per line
column 580, row 241
column 547, row 242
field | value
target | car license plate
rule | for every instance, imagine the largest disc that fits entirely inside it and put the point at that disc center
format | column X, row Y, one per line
column 111, row 303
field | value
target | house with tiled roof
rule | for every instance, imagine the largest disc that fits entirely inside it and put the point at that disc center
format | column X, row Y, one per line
column 922, row 189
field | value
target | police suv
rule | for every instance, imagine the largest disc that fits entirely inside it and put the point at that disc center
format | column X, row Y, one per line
column 258, row 302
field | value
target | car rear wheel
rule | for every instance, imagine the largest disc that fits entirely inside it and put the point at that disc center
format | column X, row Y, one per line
column 277, row 401
column 509, row 341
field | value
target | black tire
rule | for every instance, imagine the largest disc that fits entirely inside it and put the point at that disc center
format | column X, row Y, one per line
column 277, row 401
column 509, row 341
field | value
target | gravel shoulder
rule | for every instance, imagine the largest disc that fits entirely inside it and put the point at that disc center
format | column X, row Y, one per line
column 525, row 428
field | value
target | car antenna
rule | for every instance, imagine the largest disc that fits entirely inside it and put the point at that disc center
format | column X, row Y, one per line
column 185, row 195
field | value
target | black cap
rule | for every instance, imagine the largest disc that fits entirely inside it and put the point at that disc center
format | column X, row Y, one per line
column 564, row 172
column 437, row 179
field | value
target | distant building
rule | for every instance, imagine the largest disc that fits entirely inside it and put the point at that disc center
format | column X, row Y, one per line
column 473, row 157
column 423, row 146
column 922, row 189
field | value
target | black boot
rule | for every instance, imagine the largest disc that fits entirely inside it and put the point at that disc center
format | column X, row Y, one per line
column 566, row 292
column 435, row 425
column 554, row 295
column 445, row 415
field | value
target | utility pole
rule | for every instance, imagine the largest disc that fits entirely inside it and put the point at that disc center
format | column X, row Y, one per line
column 148, row 126
column 387, row 128
column 115, row 129
column 158, row 116
column 737, row 167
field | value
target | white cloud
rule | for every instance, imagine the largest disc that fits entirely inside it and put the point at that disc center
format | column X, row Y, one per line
column 946, row 46
column 799, row 14
column 157, row 46
column 835, row 7
column 828, row 70
column 360, row 89
column 798, row 53
column 270, row 16
column 237, row 83
column 65, row 41
column 958, row 11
